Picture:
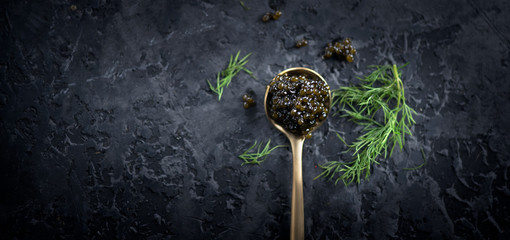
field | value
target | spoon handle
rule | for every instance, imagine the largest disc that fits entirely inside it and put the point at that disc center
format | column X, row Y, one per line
column 297, row 219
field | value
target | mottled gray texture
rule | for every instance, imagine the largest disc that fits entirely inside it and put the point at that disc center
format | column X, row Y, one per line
column 108, row 129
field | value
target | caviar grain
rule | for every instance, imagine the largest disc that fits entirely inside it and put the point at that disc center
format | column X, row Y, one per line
column 271, row 16
column 301, row 43
column 248, row 101
column 342, row 49
column 277, row 14
column 266, row 17
column 301, row 105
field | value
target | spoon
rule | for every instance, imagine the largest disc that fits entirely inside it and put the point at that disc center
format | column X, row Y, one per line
column 297, row 223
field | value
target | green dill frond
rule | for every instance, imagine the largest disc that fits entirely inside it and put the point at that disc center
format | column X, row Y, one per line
column 224, row 77
column 421, row 165
column 381, row 93
column 244, row 6
column 259, row 156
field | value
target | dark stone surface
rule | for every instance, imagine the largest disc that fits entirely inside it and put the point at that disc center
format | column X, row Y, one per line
column 108, row 129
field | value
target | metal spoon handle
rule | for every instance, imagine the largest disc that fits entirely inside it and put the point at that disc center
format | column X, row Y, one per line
column 297, row 219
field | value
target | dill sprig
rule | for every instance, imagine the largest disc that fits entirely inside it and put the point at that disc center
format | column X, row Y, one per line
column 224, row 77
column 244, row 6
column 380, row 93
column 253, row 158
column 421, row 165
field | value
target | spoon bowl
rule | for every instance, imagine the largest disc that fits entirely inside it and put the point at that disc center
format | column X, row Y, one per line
column 297, row 226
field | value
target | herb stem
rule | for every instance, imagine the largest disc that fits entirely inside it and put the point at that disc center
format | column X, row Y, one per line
column 244, row 6
column 381, row 91
column 421, row 165
column 253, row 158
column 224, row 77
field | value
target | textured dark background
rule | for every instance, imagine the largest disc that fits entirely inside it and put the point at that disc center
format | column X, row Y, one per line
column 108, row 129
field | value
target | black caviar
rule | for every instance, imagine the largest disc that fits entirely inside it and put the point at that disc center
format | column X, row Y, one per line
column 268, row 16
column 298, row 102
column 343, row 49
column 277, row 14
column 248, row 101
column 301, row 43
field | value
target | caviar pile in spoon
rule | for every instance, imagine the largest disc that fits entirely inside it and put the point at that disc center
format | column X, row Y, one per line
column 298, row 102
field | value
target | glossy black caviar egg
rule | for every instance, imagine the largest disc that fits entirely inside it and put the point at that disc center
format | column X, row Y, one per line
column 301, row 43
column 298, row 102
column 343, row 49
column 248, row 101
column 271, row 16
column 277, row 14
column 266, row 17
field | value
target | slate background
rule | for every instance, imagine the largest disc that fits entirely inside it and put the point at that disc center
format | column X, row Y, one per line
column 108, row 129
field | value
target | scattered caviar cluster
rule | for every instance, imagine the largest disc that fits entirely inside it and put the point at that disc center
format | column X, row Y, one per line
column 248, row 101
column 298, row 102
column 268, row 16
column 343, row 49
column 301, row 43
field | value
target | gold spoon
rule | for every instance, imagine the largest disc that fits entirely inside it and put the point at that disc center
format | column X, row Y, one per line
column 297, row 219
